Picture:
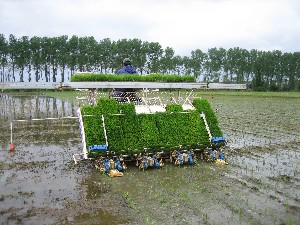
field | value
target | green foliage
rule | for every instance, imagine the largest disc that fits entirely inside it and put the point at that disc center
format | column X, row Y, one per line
column 202, row 105
column 128, row 132
column 127, row 109
column 132, row 77
column 174, row 108
column 92, row 125
column 148, row 131
column 107, row 106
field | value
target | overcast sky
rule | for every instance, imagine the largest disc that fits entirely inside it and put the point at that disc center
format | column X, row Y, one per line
column 184, row 25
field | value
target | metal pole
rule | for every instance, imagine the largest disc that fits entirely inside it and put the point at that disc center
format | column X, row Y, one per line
column 188, row 97
column 105, row 135
column 11, row 137
column 11, row 146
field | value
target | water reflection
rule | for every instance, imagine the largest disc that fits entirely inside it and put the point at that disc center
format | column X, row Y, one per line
column 26, row 106
column 16, row 106
column 39, row 173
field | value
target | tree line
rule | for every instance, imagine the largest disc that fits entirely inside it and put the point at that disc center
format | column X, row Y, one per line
column 53, row 59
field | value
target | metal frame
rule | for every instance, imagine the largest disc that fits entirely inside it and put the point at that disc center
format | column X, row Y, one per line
column 109, row 85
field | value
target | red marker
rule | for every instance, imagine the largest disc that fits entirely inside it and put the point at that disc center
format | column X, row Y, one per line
column 11, row 147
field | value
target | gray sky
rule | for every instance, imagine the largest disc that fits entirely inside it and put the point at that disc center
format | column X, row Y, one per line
column 184, row 25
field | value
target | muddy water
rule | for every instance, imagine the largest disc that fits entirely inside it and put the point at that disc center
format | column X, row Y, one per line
column 39, row 181
column 264, row 138
column 40, row 184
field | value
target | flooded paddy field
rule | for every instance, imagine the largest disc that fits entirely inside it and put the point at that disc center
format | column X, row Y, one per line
column 40, row 184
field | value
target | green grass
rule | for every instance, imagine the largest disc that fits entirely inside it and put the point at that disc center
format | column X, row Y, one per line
column 249, row 93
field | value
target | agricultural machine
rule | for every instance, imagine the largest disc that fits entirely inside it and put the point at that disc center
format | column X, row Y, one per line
column 147, row 125
column 150, row 125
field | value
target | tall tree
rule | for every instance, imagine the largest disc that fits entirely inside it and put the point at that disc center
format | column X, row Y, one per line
column 197, row 62
column 36, row 56
column 154, row 53
column 214, row 64
column 167, row 65
column 258, row 82
column 138, row 54
column 23, row 57
column 275, row 84
column 73, row 50
column 105, row 54
column 86, row 55
column 62, row 55
column 3, row 57
column 46, row 56
column 296, row 58
column 12, row 49
column 178, row 63
column 237, row 64
column 122, row 49
column 290, row 68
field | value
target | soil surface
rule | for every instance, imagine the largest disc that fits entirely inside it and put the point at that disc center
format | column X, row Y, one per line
column 41, row 184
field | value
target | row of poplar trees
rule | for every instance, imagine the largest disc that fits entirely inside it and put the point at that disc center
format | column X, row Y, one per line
column 53, row 59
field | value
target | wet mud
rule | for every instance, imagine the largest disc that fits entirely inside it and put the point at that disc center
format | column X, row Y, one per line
column 40, row 184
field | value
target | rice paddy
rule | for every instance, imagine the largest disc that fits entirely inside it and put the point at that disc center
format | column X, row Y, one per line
column 261, row 184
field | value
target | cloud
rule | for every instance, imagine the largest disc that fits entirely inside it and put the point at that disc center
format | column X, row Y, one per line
column 183, row 25
column 247, row 24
